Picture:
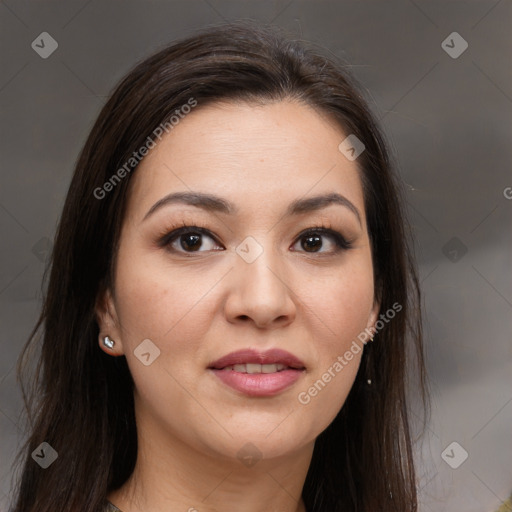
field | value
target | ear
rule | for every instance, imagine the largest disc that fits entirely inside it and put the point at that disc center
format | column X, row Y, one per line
column 108, row 323
column 373, row 316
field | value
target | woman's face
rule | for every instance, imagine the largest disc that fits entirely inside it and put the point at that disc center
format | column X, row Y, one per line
column 251, row 279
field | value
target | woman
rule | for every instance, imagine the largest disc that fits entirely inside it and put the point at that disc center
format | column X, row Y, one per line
column 232, row 307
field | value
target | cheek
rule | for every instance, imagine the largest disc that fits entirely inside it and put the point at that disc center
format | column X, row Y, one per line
column 340, row 310
column 341, row 304
column 164, row 308
column 160, row 303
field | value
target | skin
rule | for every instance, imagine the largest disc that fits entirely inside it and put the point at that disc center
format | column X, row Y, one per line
column 198, row 308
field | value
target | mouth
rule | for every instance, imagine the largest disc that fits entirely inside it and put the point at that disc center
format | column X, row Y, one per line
column 253, row 368
column 256, row 373
column 254, row 361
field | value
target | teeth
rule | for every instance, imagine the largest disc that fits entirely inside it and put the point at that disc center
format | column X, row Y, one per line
column 256, row 368
column 271, row 368
column 253, row 368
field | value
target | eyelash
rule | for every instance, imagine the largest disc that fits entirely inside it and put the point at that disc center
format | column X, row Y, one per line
column 325, row 230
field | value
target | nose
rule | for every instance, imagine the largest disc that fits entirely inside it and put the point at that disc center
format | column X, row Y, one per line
column 261, row 292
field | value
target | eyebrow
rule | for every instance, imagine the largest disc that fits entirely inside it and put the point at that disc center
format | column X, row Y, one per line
column 212, row 203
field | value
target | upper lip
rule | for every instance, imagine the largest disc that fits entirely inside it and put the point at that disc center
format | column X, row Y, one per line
column 272, row 356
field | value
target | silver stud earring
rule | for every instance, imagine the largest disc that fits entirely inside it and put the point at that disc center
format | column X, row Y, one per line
column 108, row 342
column 369, row 381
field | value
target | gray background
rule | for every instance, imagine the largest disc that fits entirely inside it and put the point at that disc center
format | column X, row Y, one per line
column 448, row 122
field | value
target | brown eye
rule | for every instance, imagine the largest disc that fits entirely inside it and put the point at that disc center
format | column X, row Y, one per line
column 312, row 241
column 189, row 239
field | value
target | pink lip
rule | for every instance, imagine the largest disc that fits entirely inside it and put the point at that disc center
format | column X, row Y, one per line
column 259, row 384
column 272, row 356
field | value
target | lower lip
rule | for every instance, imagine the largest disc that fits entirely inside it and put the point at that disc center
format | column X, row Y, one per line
column 259, row 384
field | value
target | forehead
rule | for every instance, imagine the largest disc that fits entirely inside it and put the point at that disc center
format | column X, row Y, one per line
column 253, row 154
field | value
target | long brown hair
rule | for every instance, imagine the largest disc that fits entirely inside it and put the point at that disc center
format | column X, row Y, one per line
column 80, row 400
